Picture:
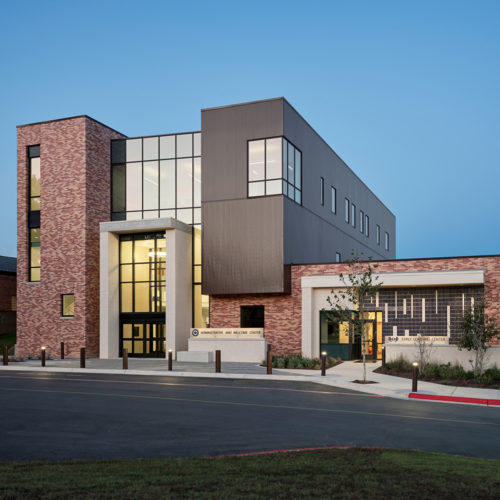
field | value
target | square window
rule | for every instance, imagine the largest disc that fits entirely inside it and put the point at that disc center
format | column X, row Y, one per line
column 252, row 317
column 67, row 305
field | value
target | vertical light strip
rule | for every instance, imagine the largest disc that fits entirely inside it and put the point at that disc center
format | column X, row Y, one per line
column 463, row 303
column 448, row 320
column 411, row 306
column 376, row 299
column 395, row 304
column 407, row 333
column 394, row 331
column 472, row 303
column 423, row 310
column 436, row 301
column 386, row 312
column 404, row 306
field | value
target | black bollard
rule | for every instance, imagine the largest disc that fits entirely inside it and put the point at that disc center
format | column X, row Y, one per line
column 125, row 359
column 62, row 350
column 43, row 356
column 5, row 355
column 217, row 361
column 82, row 357
column 170, row 360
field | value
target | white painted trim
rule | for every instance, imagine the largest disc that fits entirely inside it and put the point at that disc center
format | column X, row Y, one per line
column 423, row 278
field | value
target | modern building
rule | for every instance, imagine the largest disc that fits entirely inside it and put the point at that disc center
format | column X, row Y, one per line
column 129, row 243
column 7, row 294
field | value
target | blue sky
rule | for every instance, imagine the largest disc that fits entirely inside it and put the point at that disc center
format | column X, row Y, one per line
column 406, row 92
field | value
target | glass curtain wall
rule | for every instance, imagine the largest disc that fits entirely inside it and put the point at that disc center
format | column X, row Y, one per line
column 161, row 177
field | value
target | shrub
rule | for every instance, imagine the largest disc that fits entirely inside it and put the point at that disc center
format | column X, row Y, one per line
column 399, row 365
column 298, row 361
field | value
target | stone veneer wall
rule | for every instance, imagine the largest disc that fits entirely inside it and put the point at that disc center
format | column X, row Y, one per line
column 75, row 197
column 283, row 315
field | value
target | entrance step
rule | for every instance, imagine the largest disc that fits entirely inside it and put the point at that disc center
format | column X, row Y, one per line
column 195, row 356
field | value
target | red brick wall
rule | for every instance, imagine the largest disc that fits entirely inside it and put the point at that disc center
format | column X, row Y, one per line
column 283, row 316
column 75, row 197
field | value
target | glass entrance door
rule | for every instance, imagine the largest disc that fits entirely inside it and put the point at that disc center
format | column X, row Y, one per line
column 143, row 339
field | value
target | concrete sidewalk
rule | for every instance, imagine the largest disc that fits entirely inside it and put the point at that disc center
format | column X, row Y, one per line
column 341, row 375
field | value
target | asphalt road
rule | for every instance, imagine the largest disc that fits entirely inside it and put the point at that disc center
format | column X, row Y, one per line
column 47, row 416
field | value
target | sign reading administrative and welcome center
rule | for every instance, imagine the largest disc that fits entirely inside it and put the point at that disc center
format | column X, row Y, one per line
column 229, row 333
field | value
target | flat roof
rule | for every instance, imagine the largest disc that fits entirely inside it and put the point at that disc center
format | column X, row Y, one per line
column 71, row 118
column 398, row 260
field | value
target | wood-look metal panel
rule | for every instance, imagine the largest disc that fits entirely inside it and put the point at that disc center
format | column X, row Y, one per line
column 225, row 133
column 242, row 247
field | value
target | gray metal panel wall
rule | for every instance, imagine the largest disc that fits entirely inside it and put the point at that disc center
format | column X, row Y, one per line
column 243, row 246
column 242, row 239
column 312, row 232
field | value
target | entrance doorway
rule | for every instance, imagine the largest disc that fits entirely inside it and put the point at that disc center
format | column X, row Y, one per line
column 339, row 340
column 143, row 339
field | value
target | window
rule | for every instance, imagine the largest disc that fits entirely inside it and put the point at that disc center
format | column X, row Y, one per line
column 378, row 234
column 367, row 226
column 34, row 254
column 322, row 190
column 347, row 210
column 67, row 305
column 361, row 221
column 338, row 257
column 387, row 241
column 334, row 200
column 353, row 215
column 142, row 272
column 13, row 303
column 34, row 173
column 274, row 167
column 252, row 317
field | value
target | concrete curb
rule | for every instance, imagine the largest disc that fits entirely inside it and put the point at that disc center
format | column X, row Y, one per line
column 455, row 399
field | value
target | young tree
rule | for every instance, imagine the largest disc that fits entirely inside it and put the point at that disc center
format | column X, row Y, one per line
column 477, row 330
column 359, row 286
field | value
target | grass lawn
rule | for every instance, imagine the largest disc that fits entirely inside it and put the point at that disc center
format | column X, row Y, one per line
column 335, row 473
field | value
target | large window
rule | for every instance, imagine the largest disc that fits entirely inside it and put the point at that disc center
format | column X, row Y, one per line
column 34, row 254
column 274, row 167
column 157, row 177
column 252, row 317
column 142, row 272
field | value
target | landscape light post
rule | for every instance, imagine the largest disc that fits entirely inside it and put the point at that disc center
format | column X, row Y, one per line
column 383, row 355
column 323, row 364
column 42, row 357
column 82, row 357
column 414, row 377
column 5, row 355
column 125, row 359
column 62, row 350
column 170, row 360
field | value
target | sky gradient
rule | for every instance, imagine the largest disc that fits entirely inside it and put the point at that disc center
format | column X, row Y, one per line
column 407, row 93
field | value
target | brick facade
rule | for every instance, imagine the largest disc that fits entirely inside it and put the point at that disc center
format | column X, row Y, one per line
column 75, row 197
column 283, row 315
